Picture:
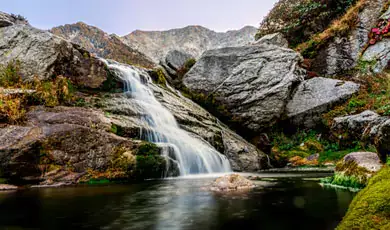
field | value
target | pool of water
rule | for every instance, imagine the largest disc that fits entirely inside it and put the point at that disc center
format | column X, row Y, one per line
column 285, row 202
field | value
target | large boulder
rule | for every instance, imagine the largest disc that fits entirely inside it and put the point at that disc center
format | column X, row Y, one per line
column 65, row 143
column 316, row 96
column 43, row 55
column 353, row 127
column 253, row 83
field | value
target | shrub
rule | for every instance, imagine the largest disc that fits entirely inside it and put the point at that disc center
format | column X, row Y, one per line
column 150, row 164
column 53, row 93
column 9, row 75
column 12, row 109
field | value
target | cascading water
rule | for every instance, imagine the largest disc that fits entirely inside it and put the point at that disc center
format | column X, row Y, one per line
column 190, row 154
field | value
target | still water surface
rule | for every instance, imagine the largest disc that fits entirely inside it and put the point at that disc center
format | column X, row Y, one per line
column 288, row 202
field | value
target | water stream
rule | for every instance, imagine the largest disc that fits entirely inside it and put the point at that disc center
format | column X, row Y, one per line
column 191, row 155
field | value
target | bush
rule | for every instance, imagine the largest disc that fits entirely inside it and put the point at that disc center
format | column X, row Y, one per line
column 9, row 75
column 53, row 93
column 150, row 164
column 12, row 109
column 370, row 209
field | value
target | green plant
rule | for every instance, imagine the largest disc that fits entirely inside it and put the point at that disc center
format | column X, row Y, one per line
column 149, row 162
column 10, row 74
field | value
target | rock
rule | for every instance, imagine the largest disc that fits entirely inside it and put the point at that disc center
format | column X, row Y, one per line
column 43, row 54
column 176, row 59
column 8, row 92
column 9, row 20
column 193, row 40
column 316, row 96
column 102, row 44
column 355, row 126
column 7, row 187
column 378, row 54
column 231, row 182
column 125, row 113
column 367, row 160
column 69, row 140
column 277, row 39
column 380, row 134
column 343, row 53
column 313, row 157
column 253, row 83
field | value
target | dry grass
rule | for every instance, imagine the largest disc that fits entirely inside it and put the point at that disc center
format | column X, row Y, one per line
column 339, row 27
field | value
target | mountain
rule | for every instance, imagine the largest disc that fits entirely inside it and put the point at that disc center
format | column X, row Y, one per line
column 104, row 45
column 191, row 39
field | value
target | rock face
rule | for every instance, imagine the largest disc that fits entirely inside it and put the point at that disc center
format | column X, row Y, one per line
column 381, row 135
column 378, row 54
column 254, row 83
column 316, row 96
column 43, row 54
column 176, row 59
column 231, row 182
column 97, row 41
column 9, row 20
column 343, row 52
column 62, row 142
column 193, row 40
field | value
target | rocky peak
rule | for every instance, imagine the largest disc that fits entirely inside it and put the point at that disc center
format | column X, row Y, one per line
column 104, row 45
column 193, row 40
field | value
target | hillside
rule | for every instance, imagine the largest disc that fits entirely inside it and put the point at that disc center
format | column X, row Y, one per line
column 97, row 41
column 191, row 39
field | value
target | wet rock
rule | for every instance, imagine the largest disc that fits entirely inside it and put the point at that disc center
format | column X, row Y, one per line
column 277, row 39
column 43, row 54
column 252, row 83
column 231, row 182
column 316, row 96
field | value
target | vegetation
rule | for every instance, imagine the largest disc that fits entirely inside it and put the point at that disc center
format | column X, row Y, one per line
column 150, row 164
column 300, row 19
column 158, row 77
column 296, row 147
column 370, row 209
column 339, row 27
column 374, row 95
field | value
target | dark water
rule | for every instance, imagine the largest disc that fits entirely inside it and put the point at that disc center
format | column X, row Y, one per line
column 287, row 203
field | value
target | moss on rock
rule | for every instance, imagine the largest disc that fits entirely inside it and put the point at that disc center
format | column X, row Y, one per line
column 370, row 209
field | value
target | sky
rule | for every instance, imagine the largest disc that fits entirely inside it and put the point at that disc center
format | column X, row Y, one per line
column 124, row 16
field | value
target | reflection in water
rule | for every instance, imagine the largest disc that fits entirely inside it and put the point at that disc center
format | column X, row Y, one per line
column 177, row 204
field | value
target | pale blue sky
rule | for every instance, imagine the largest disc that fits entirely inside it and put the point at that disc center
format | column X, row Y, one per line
column 124, row 16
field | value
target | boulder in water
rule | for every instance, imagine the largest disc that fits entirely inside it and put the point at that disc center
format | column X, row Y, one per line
column 231, row 182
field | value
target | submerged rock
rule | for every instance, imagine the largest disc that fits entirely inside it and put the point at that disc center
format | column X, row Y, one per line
column 7, row 187
column 251, row 83
column 315, row 97
column 231, row 182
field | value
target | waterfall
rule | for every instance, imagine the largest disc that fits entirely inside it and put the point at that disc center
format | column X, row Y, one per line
column 190, row 154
